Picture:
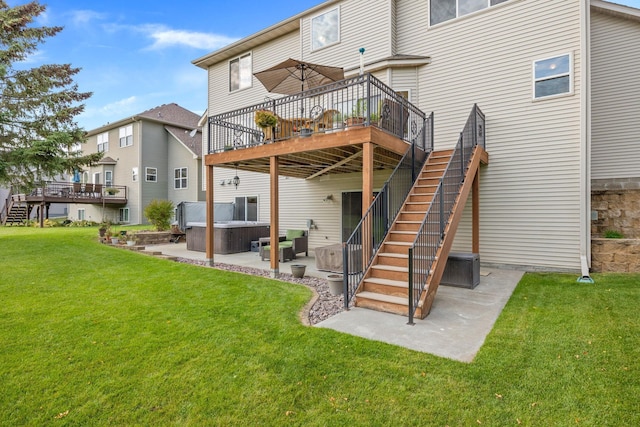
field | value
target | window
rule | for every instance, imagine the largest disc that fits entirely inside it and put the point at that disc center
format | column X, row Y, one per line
column 108, row 178
column 240, row 72
column 444, row 10
column 325, row 29
column 245, row 209
column 96, row 178
column 552, row 76
column 103, row 142
column 180, row 178
column 126, row 136
column 123, row 215
column 80, row 214
column 151, row 174
column 134, row 174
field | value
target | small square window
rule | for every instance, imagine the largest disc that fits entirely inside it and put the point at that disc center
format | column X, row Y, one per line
column 552, row 76
column 151, row 174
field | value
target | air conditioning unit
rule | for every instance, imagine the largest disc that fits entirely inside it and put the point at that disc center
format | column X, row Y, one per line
column 462, row 270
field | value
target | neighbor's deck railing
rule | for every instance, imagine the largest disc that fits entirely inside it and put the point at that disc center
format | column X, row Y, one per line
column 422, row 253
column 359, row 250
column 357, row 101
column 77, row 192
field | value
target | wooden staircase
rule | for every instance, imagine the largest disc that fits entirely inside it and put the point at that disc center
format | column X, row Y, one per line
column 17, row 210
column 385, row 286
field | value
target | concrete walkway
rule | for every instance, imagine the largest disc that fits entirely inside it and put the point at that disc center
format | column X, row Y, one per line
column 456, row 328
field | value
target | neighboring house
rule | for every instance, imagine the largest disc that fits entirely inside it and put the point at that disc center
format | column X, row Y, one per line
column 156, row 154
column 557, row 81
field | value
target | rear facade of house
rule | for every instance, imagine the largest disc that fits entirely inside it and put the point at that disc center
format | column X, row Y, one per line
column 553, row 78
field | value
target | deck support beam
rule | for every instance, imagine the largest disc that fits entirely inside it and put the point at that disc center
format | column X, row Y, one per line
column 475, row 226
column 274, row 235
column 367, row 198
column 210, row 218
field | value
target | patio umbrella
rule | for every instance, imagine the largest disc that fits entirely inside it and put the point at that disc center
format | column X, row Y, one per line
column 293, row 76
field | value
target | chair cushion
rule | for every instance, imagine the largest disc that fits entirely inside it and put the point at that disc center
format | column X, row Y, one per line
column 292, row 234
column 284, row 244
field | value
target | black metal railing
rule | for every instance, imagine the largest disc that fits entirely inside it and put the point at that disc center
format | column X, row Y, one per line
column 357, row 101
column 422, row 254
column 78, row 192
column 360, row 248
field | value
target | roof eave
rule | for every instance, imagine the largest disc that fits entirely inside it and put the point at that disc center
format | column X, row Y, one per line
column 257, row 39
column 618, row 10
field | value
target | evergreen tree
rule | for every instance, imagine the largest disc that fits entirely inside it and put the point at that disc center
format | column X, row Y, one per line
column 38, row 135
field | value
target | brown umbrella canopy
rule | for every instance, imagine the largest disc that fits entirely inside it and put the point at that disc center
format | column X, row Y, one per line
column 293, row 76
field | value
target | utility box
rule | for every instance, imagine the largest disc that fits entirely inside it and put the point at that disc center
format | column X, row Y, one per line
column 462, row 270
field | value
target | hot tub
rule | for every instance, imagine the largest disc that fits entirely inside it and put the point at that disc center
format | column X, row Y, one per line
column 229, row 237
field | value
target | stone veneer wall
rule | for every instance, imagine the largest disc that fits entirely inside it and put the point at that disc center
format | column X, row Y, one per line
column 616, row 202
column 152, row 237
column 615, row 205
column 615, row 255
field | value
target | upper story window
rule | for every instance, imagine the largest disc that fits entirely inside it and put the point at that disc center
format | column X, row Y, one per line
column 108, row 178
column 180, row 178
column 103, row 142
column 151, row 174
column 444, row 10
column 134, row 174
column 126, row 136
column 240, row 72
column 325, row 29
column 552, row 76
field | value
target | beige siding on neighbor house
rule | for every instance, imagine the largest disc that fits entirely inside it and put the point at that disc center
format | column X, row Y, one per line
column 615, row 111
column 300, row 200
column 530, row 192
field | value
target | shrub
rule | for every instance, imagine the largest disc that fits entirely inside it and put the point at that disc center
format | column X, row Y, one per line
column 159, row 213
column 613, row 234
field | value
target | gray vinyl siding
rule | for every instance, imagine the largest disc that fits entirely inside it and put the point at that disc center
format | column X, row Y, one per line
column 300, row 200
column 180, row 157
column 263, row 57
column 615, row 76
column 529, row 194
column 363, row 23
column 154, row 155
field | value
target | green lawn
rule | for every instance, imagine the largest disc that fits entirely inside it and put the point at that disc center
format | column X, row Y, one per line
column 94, row 335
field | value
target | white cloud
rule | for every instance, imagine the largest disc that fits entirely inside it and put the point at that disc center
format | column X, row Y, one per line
column 83, row 17
column 165, row 37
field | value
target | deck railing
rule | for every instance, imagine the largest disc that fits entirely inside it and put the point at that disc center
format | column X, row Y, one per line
column 79, row 192
column 357, row 101
column 360, row 248
column 422, row 253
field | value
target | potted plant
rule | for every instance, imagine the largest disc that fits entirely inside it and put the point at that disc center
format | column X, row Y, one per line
column 111, row 191
column 358, row 113
column 267, row 121
column 335, row 283
column 130, row 238
column 297, row 270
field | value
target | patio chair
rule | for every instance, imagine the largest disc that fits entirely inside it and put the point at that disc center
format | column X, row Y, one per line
column 394, row 117
column 293, row 243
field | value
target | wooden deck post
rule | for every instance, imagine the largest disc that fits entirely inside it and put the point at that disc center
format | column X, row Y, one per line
column 367, row 198
column 475, row 226
column 274, row 251
column 210, row 218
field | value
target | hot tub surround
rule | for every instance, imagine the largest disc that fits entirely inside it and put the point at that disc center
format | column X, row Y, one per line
column 230, row 237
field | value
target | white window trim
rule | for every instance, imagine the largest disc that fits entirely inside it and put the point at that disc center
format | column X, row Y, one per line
column 238, row 58
column 311, row 48
column 458, row 17
column 128, row 132
column 102, row 141
column 134, row 174
column 146, row 174
column 82, row 214
column 176, row 180
column 127, row 215
column 108, row 181
column 534, row 80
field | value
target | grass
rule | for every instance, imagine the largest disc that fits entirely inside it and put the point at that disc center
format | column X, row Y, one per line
column 94, row 335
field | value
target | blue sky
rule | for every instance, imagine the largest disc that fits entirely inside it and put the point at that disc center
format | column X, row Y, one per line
column 135, row 56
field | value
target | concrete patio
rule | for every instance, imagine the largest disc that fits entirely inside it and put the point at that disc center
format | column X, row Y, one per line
column 456, row 328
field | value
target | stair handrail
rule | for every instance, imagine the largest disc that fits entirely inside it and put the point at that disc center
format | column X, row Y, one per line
column 360, row 248
column 422, row 253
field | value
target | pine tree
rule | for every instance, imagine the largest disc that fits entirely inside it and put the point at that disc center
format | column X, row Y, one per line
column 39, row 137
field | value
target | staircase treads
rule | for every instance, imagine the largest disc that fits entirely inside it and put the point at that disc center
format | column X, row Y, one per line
column 387, row 282
column 390, row 268
column 383, row 298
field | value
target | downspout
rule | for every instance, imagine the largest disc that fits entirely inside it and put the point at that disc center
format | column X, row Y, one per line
column 585, row 141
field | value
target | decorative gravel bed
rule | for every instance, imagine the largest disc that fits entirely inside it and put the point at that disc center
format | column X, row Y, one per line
column 324, row 306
